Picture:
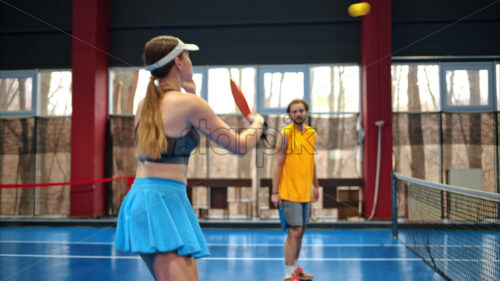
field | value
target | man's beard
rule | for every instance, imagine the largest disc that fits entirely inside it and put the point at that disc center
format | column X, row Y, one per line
column 298, row 121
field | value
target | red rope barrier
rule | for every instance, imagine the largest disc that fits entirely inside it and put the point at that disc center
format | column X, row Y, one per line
column 130, row 180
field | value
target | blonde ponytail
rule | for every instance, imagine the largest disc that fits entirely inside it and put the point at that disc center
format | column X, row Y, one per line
column 150, row 139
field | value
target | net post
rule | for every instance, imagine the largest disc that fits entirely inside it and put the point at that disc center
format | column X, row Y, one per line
column 394, row 207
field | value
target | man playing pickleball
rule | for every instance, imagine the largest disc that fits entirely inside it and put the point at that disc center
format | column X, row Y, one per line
column 295, row 184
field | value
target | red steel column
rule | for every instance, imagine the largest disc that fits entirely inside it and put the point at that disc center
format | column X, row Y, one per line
column 376, row 104
column 90, row 104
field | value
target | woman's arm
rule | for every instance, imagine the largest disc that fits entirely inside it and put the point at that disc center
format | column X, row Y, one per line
column 204, row 118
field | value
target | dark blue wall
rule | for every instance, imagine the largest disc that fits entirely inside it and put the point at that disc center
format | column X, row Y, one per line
column 446, row 28
column 31, row 34
column 249, row 32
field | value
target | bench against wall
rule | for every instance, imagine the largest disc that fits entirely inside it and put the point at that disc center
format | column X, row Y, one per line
column 341, row 194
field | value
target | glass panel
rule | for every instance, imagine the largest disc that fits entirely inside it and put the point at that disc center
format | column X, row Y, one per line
column 198, row 80
column 280, row 88
column 335, row 89
column 15, row 94
column 466, row 87
column 129, row 88
column 415, row 87
column 219, row 89
column 55, row 93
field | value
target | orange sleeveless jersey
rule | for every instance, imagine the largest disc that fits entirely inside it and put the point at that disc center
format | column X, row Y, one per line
column 297, row 171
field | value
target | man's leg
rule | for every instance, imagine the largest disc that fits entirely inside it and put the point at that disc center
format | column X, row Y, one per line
column 299, row 272
column 292, row 244
column 301, row 231
column 292, row 247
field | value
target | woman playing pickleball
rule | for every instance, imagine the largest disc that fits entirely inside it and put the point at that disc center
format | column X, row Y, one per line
column 156, row 219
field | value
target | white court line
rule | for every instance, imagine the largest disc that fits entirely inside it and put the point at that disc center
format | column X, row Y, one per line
column 54, row 242
column 247, row 258
column 71, row 256
column 303, row 245
column 256, row 245
column 208, row 244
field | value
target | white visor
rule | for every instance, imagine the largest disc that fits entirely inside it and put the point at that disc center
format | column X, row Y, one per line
column 181, row 46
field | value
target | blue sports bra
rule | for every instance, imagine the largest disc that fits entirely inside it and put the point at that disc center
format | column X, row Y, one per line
column 178, row 149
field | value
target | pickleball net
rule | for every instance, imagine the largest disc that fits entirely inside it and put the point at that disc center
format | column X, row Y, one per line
column 454, row 230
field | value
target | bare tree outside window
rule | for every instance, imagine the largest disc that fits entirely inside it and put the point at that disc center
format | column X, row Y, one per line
column 415, row 125
column 219, row 90
column 124, row 87
column 280, row 88
column 55, row 93
column 15, row 94
column 467, row 87
column 427, row 81
column 415, row 89
column 335, row 89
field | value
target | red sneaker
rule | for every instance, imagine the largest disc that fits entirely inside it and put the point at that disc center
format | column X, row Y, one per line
column 301, row 275
column 292, row 278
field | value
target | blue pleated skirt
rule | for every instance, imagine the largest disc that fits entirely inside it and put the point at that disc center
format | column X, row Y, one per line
column 156, row 216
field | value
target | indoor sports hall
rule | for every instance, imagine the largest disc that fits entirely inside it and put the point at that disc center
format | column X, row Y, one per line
column 394, row 140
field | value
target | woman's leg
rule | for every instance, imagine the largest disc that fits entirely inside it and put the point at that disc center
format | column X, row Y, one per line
column 148, row 260
column 172, row 267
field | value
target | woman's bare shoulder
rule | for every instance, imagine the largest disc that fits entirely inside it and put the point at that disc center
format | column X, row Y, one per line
column 188, row 102
column 188, row 105
column 182, row 98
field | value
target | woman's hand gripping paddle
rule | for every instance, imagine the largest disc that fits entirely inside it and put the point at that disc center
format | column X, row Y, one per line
column 242, row 104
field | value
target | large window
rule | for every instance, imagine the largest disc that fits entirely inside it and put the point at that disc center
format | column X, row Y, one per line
column 219, row 90
column 335, row 88
column 415, row 87
column 55, row 93
column 268, row 89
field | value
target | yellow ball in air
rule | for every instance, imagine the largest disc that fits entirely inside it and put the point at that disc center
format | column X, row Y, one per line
column 359, row 9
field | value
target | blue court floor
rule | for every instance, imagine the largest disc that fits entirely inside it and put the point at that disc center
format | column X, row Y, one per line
column 77, row 254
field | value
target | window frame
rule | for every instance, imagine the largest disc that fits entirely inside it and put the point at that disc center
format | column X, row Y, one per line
column 38, row 92
column 204, row 83
column 496, row 68
column 262, row 69
column 29, row 73
column 450, row 66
